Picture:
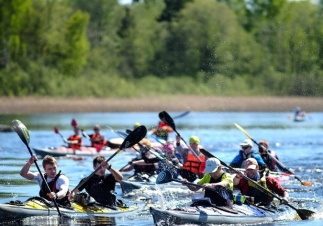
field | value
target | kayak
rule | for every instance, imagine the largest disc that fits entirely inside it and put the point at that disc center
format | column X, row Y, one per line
column 39, row 207
column 239, row 214
column 63, row 151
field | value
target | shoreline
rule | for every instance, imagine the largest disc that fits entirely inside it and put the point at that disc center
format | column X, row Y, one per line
column 35, row 105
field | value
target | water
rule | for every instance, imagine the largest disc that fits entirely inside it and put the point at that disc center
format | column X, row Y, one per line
column 298, row 145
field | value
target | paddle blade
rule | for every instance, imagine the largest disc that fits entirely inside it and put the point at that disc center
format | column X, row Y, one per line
column 245, row 132
column 164, row 177
column 73, row 123
column 21, row 130
column 166, row 118
column 134, row 137
column 306, row 183
column 181, row 115
column 56, row 130
column 305, row 214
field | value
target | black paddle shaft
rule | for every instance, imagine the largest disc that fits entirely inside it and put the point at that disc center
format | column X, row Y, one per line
column 23, row 133
column 166, row 118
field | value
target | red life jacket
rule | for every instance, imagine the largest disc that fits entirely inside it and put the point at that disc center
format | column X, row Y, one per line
column 52, row 186
column 194, row 165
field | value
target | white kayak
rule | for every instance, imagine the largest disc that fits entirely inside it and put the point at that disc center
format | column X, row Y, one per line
column 239, row 214
column 63, row 151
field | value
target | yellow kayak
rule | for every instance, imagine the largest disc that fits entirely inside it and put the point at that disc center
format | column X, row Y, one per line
column 37, row 206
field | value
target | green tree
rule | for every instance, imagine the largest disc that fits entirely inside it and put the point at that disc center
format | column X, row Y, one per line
column 13, row 25
column 208, row 38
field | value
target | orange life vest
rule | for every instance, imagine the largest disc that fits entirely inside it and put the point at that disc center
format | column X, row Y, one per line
column 77, row 145
column 194, row 165
column 100, row 144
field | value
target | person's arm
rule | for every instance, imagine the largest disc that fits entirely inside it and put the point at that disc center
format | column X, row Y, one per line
column 62, row 185
column 116, row 173
column 191, row 187
column 24, row 172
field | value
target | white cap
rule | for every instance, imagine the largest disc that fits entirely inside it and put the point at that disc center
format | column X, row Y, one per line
column 212, row 164
column 247, row 142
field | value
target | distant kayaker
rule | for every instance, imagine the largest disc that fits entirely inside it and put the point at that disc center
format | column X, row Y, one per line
column 57, row 182
column 143, row 165
column 193, row 167
column 101, row 186
column 246, row 152
column 269, row 157
column 216, row 179
column 98, row 141
column 75, row 140
column 162, row 130
column 249, row 189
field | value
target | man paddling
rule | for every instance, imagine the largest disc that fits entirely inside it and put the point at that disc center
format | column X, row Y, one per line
column 246, row 152
column 249, row 189
column 218, row 180
column 101, row 186
column 57, row 182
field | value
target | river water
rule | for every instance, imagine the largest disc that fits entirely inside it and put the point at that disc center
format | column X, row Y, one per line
column 298, row 145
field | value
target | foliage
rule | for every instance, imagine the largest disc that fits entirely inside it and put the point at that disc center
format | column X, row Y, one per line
column 160, row 47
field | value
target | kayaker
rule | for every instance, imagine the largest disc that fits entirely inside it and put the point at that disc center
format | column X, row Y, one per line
column 75, row 140
column 162, row 130
column 216, row 179
column 98, row 141
column 249, row 189
column 57, row 182
column 101, row 186
column 266, row 154
column 246, row 152
column 168, row 160
column 193, row 167
column 144, row 165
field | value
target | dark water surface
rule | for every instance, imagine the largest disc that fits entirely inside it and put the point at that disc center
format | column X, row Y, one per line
column 299, row 146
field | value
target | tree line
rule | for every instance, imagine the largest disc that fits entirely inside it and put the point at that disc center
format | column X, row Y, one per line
column 101, row 48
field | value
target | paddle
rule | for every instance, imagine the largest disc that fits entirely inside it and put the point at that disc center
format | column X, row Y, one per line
column 303, row 213
column 165, row 117
column 165, row 177
column 181, row 115
column 134, row 137
column 23, row 133
column 305, row 183
column 57, row 132
column 74, row 124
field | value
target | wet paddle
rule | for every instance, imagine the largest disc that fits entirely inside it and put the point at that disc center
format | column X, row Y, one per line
column 57, row 132
column 23, row 133
column 181, row 115
column 305, row 183
column 134, row 137
column 166, row 118
column 165, row 177
column 303, row 213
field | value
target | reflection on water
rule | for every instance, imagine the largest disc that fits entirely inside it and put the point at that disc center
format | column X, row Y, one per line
column 62, row 221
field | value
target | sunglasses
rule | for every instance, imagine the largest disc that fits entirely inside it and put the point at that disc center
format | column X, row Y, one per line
column 245, row 147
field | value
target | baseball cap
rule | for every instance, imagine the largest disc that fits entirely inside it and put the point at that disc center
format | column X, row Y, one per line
column 212, row 164
column 246, row 142
column 195, row 140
